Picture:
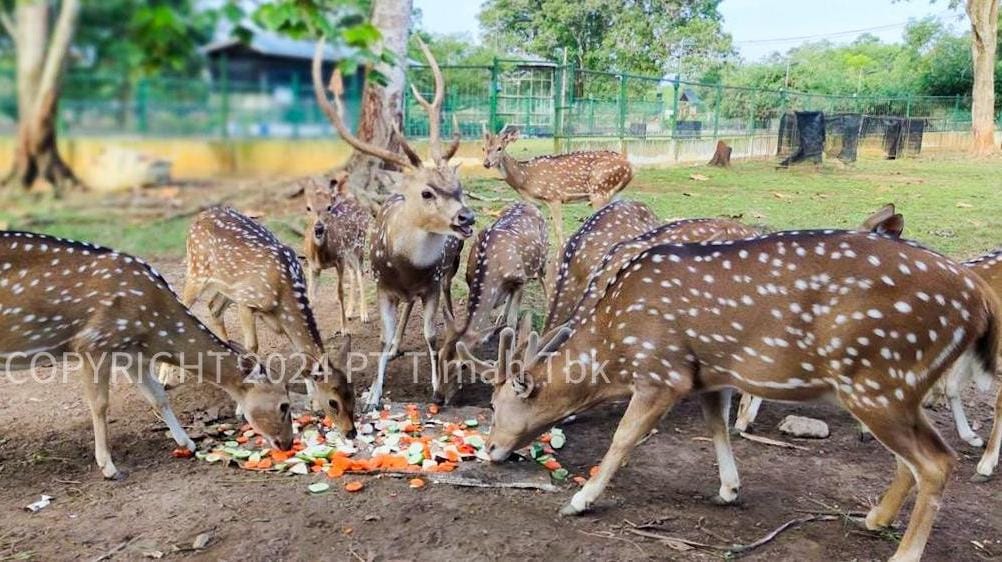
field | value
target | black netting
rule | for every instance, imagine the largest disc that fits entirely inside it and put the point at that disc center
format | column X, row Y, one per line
column 897, row 136
column 803, row 134
column 842, row 135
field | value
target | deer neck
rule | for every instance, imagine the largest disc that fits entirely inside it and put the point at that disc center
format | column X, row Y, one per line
column 512, row 171
column 404, row 240
column 579, row 376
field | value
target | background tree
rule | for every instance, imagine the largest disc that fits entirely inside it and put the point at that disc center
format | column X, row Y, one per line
column 643, row 36
column 41, row 51
column 984, row 17
column 376, row 31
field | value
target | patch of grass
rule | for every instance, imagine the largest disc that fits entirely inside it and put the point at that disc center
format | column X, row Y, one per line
column 950, row 204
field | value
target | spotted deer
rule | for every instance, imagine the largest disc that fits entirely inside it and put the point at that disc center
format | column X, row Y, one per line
column 418, row 228
column 111, row 312
column 507, row 255
column 594, row 176
column 989, row 268
column 236, row 260
column 792, row 316
column 613, row 223
column 335, row 238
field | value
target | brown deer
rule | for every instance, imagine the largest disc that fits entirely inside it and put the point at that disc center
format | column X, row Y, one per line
column 236, row 260
column 989, row 268
column 62, row 300
column 335, row 238
column 507, row 255
column 805, row 316
column 613, row 223
column 416, row 226
column 594, row 176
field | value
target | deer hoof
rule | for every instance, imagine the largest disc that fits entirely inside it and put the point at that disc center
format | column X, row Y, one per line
column 865, row 437
column 115, row 475
column 979, row 478
column 976, row 442
column 570, row 511
column 720, row 500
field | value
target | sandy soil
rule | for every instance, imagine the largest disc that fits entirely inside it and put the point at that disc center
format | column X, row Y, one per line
column 46, row 448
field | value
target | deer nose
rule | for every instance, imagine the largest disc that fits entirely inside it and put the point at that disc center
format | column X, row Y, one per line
column 466, row 217
column 352, row 433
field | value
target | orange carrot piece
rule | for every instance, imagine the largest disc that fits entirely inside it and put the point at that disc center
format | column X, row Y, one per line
column 264, row 464
column 242, row 439
column 251, row 464
column 593, row 471
column 551, row 464
column 354, row 486
column 416, row 483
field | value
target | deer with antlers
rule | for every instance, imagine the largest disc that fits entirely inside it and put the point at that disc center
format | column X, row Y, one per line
column 110, row 312
column 417, row 228
column 236, row 260
column 335, row 238
column 507, row 255
column 793, row 316
column 594, row 176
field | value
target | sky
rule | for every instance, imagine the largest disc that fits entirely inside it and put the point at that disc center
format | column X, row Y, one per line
column 755, row 24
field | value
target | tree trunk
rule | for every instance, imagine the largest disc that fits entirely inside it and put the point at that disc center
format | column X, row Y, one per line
column 40, row 64
column 721, row 156
column 984, row 28
column 370, row 177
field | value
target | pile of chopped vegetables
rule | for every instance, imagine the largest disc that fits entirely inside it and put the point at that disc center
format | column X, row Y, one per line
column 408, row 441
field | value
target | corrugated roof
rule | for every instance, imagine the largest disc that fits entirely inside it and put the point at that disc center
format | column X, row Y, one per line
column 268, row 43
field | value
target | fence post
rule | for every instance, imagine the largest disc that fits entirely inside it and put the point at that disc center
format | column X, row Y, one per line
column 141, row 104
column 716, row 111
column 956, row 108
column 674, row 108
column 622, row 112
column 908, row 107
column 492, row 115
column 224, row 110
column 558, row 92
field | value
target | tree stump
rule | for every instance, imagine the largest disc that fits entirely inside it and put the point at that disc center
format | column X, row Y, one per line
column 722, row 156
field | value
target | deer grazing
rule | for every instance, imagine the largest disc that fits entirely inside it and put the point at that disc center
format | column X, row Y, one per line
column 417, row 228
column 594, row 176
column 63, row 300
column 613, row 223
column 335, row 238
column 793, row 316
column 238, row 261
column 507, row 255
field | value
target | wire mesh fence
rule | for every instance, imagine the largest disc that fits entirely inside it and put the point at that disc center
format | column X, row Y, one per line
column 542, row 98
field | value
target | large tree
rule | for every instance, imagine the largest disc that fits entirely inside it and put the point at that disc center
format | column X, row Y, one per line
column 41, row 50
column 984, row 17
column 644, row 36
column 376, row 33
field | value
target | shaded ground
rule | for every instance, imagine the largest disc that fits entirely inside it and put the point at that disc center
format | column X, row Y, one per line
column 46, row 448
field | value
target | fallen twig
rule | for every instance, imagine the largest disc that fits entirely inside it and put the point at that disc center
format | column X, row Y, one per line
column 609, row 535
column 118, row 548
column 773, row 442
column 679, row 543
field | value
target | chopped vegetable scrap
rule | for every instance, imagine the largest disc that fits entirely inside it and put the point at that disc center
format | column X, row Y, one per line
column 388, row 441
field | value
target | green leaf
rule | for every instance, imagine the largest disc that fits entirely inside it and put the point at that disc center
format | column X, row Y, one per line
column 362, row 35
column 318, row 487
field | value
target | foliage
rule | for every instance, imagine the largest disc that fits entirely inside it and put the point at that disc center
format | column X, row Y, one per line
column 642, row 36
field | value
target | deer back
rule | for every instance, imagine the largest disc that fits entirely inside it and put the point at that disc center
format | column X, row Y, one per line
column 337, row 233
column 989, row 268
column 678, row 232
column 613, row 223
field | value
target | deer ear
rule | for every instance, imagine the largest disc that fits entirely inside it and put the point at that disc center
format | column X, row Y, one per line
column 342, row 353
column 893, row 226
column 509, row 134
column 552, row 341
column 522, row 384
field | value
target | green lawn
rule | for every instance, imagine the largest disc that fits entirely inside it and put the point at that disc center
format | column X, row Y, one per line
column 951, row 204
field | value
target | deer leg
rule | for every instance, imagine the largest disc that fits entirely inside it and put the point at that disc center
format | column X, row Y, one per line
column 398, row 334
column 153, row 392
column 249, row 327
column 388, row 314
column 924, row 462
column 95, row 385
column 556, row 212
column 716, row 413
column 956, row 380
column 312, row 281
column 217, row 308
column 360, row 279
column 340, row 299
column 429, row 306
column 747, row 412
column 511, row 311
column 990, row 459
column 646, row 407
column 192, row 289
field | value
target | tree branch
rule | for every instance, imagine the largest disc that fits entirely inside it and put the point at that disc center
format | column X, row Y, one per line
column 59, row 46
column 8, row 24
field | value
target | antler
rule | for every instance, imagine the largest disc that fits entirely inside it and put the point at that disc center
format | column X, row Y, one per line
column 457, row 135
column 335, row 112
column 434, row 108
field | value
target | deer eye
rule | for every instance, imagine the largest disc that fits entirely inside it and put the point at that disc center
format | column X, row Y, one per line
column 427, row 195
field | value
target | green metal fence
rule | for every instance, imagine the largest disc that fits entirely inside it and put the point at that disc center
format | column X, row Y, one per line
column 542, row 98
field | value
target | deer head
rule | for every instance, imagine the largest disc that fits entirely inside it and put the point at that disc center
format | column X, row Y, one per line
column 333, row 392
column 495, row 145
column 434, row 194
column 263, row 398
